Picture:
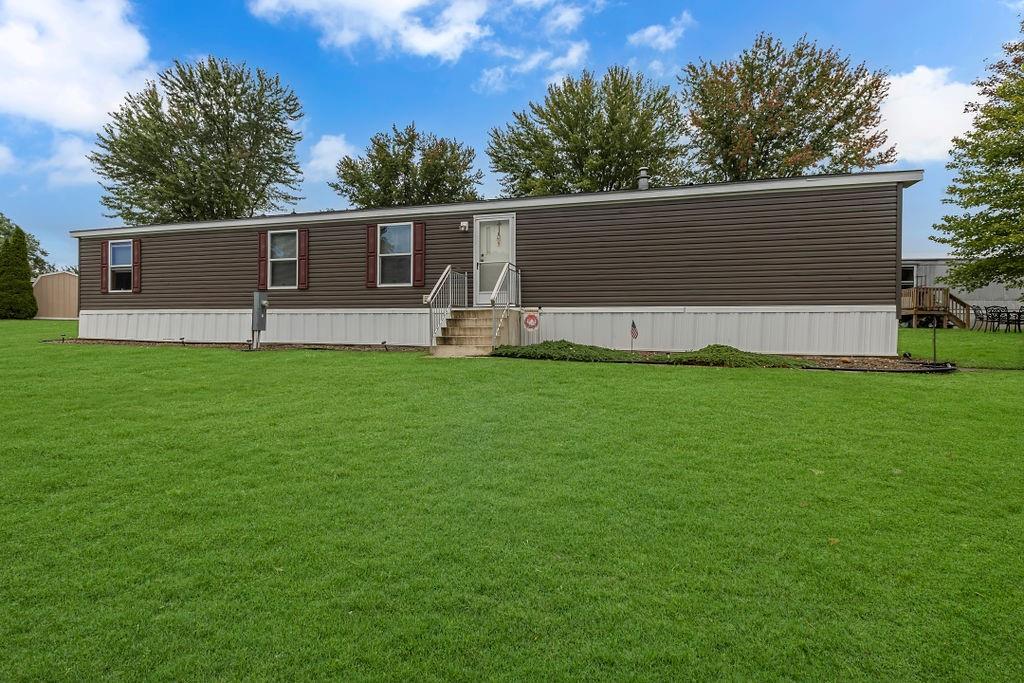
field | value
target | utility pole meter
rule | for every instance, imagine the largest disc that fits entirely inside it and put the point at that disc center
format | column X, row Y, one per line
column 259, row 317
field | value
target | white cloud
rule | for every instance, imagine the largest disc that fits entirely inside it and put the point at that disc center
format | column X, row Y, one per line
column 492, row 80
column 923, row 112
column 68, row 63
column 68, row 164
column 574, row 56
column 497, row 79
column 661, row 37
column 563, row 19
column 413, row 26
column 326, row 153
column 531, row 61
column 6, row 159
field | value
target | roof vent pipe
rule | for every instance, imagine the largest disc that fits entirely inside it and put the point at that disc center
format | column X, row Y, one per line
column 643, row 181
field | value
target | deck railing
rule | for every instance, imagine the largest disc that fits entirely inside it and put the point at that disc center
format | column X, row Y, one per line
column 925, row 299
column 451, row 291
column 935, row 301
column 505, row 295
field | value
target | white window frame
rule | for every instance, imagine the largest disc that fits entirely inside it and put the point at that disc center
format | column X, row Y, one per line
column 913, row 279
column 111, row 268
column 271, row 260
column 412, row 238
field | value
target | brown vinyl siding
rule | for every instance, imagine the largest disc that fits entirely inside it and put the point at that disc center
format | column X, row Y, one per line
column 828, row 246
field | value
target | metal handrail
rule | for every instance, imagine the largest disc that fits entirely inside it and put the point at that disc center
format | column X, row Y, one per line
column 507, row 293
column 450, row 291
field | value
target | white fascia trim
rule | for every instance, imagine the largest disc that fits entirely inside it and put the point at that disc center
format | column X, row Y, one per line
column 508, row 205
column 719, row 309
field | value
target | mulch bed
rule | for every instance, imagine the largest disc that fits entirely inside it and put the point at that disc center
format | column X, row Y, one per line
column 876, row 364
column 841, row 363
column 237, row 347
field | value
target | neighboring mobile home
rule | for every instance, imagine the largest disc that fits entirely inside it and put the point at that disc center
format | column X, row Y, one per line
column 925, row 272
column 807, row 265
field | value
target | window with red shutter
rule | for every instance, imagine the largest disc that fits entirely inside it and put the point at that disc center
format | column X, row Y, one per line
column 136, row 266
column 262, row 262
column 371, row 255
column 303, row 259
column 419, row 234
column 104, row 266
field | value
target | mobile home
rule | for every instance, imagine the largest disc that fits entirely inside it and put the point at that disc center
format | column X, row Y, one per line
column 806, row 265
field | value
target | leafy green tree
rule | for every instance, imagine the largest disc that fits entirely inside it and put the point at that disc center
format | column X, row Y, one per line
column 405, row 168
column 987, row 237
column 214, row 140
column 36, row 254
column 773, row 112
column 16, row 298
column 590, row 135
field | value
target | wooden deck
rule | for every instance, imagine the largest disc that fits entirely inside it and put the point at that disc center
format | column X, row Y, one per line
column 920, row 302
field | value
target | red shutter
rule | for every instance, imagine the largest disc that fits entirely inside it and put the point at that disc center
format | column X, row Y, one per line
column 371, row 255
column 136, row 266
column 419, row 238
column 104, row 266
column 262, row 280
column 303, row 259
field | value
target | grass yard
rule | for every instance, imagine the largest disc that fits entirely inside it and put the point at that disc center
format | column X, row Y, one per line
column 967, row 348
column 185, row 513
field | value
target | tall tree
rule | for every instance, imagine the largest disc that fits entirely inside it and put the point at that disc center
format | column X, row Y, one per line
column 774, row 112
column 16, row 297
column 987, row 237
column 213, row 140
column 37, row 256
column 590, row 135
column 406, row 167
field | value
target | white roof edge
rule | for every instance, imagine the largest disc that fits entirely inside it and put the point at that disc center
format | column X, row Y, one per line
column 505, row 205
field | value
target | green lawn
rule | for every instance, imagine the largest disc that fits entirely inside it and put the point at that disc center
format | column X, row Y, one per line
column 967, row 348
column 183, row 513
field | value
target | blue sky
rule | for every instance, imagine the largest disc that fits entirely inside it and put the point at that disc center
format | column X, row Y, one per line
column 455, row 67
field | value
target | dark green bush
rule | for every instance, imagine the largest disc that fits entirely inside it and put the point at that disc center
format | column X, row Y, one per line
column 16, row 297
column 716, row 355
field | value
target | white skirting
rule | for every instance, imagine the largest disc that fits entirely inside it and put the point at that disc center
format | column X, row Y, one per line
column 397, row 326
column 812, row 330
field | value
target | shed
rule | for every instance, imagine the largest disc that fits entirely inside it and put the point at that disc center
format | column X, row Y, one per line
column 57, row 296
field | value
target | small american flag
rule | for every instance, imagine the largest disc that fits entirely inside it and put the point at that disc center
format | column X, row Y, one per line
column 633, row 332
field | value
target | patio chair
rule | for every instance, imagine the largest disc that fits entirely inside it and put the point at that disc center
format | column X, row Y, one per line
column 978, row 317
column 997, row 316
column 1016, row 319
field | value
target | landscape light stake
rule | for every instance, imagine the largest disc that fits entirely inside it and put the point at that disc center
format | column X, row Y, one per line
column 935, row 355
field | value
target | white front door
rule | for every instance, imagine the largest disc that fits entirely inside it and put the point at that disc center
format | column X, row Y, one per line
column 494, row 245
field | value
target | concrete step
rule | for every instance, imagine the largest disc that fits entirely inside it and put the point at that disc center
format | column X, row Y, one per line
column 459, row 351
column 466, row 327
column 465, row 339
column 471, row 313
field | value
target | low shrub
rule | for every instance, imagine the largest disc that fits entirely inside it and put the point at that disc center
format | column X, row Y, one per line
column 715, row 355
